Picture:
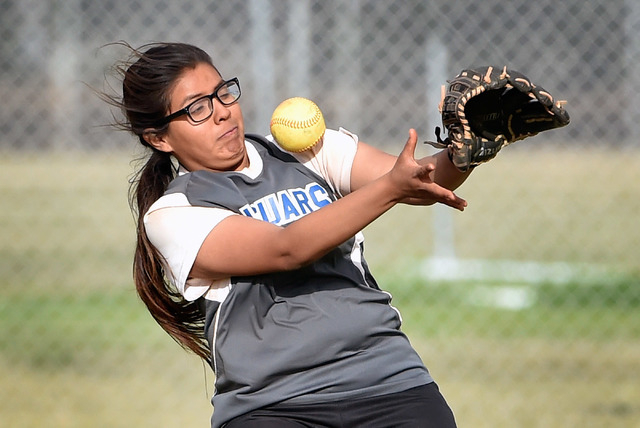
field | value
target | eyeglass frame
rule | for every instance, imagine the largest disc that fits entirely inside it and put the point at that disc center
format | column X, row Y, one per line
column 165, row 120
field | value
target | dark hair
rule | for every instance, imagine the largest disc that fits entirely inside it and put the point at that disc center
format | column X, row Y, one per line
column 148, row 77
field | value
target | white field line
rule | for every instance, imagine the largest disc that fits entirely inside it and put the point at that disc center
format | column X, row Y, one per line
column 509, row 271
column 508, row 284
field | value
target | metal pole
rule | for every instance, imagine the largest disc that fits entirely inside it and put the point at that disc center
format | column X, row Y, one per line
column 436, row 69
column 263, row 68
column 299, row 51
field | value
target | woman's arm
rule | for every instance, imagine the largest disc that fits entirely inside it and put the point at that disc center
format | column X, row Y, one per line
column 241, row 245
column 371, row 163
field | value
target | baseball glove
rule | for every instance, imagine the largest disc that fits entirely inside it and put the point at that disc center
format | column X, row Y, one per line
column 488, row 108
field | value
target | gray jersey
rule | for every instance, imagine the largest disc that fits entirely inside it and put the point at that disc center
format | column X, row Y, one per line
column 321, row 333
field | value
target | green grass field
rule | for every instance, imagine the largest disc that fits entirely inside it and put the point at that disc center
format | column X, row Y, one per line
column 77, row 349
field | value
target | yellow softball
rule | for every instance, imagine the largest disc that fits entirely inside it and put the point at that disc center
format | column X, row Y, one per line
column 297, row 124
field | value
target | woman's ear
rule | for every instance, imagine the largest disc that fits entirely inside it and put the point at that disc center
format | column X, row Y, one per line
column 156, row 140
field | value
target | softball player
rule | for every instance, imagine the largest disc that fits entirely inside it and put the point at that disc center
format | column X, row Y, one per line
column 252, row 257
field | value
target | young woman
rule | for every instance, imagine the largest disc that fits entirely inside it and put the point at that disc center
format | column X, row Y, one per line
column 252, row 257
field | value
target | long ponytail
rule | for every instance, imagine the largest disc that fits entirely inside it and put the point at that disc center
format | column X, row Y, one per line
column 148, row 77
column 181, row 319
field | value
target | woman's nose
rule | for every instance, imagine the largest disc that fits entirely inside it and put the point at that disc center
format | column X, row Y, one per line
column 221, row 112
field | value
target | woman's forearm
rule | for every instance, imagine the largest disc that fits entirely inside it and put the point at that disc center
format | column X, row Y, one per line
column 370, row 163
column 446, row 174
column 317, row 233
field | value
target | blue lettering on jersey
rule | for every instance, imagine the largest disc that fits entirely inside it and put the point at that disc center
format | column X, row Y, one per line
column 274, row 209
column 288, row 205
column 318, row 195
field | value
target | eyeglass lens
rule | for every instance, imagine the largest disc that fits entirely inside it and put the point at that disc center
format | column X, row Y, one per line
column 203, row 108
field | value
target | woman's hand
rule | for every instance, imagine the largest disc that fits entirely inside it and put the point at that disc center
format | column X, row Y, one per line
column 414, row 182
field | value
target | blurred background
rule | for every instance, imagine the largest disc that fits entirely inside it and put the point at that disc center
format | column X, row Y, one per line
column 524, row 307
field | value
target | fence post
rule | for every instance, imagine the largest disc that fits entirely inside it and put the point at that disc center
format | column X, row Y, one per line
column 632, row 64
column 298, row 49
column 436, row 61
column 63, row 70
column 262, row 63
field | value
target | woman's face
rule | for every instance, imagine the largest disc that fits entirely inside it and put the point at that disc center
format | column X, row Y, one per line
column 215, row 144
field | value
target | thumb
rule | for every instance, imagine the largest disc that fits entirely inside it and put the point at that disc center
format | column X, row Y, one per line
column 409, row 148
column 408, row 153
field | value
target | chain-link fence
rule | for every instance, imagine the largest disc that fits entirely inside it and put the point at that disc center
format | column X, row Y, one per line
column 524, row 307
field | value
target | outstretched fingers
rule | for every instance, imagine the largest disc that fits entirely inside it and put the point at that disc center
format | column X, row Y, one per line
column 449, row 198
column 421, row 188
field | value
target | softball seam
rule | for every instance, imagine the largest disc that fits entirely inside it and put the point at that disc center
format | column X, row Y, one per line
column 298, row 124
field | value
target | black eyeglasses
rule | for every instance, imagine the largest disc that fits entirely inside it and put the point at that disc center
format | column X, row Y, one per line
column 202, row 108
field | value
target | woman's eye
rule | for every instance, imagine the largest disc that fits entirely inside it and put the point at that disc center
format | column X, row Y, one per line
column 198, row 108
column 225, row 96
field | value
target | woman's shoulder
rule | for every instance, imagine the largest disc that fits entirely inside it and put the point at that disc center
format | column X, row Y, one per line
column 184, row 182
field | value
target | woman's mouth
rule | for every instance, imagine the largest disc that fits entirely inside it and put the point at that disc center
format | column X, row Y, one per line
column 230, row 133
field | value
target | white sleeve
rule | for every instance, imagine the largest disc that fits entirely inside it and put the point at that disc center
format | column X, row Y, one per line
column 178, row 230
column 332, row 159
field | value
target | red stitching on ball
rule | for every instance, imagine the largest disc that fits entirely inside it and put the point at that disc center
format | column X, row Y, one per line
column 296, row 123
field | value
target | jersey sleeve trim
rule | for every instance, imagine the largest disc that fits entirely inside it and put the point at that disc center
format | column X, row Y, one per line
column 178, row 233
